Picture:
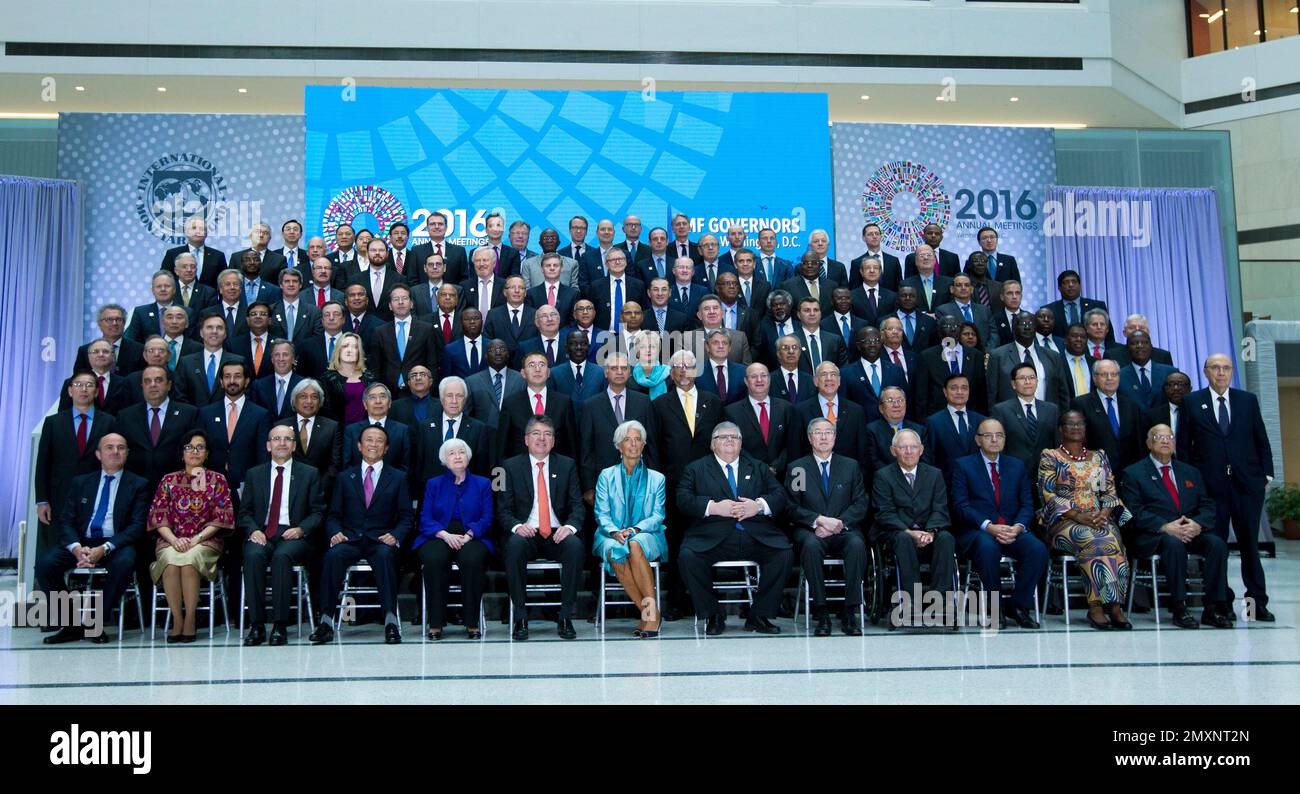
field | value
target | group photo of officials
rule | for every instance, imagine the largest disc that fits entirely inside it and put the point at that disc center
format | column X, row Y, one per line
column 685, row 424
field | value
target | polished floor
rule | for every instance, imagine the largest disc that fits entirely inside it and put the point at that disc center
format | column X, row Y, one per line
column 1253, row 663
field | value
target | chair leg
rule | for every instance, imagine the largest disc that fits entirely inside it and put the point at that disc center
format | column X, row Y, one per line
column 243, row 605
column 1155, row 592
column 1065, row 588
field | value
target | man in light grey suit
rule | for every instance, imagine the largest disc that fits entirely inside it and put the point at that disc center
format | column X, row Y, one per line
column 531, row 268
column 484, row 404
column 964, row 308
column 1052, row 383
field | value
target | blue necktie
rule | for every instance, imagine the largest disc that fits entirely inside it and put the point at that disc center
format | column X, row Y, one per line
column 660, row 315
column 749, row 298
column 401, row 350
column 289, row 312
column 963, row 429
column 172, row 345
column 875, row 379
column 451, row 430
column 826, row 478
column 1223, row 416
column 1146, row 382
column 815, row 351
column 731, row 481
column 1114, row 418
column 659, row 266
column 330, row 352
column 212, row 371
column 965, row 311
column 473, row 356
column 496, row 388
column 618, row 302
column 101, row 510
column 909, row 328
column 844, row 329
column 952, row 366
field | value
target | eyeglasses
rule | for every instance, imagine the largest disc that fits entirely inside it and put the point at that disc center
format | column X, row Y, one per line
column 195, row 448
column 992, row 436
column 542, row 434
column 822, row 432
column 1073, row 424
column 1162, row 438
column 83, row 385
column 727, row 437
column 893, row 401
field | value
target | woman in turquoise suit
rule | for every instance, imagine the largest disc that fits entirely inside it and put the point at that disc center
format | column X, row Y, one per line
column 630, row 523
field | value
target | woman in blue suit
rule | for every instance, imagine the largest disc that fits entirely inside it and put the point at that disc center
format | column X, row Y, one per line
column 630, row 523
column 454, row 528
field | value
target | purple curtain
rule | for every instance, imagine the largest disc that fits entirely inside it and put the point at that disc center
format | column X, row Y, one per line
column 41, row 287
column 1178, row 279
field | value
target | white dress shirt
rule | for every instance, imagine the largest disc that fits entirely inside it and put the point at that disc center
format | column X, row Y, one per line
column 283, row 519
column 735, row 470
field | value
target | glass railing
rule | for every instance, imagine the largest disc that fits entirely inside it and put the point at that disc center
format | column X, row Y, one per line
column 1218, row 25
column 1270, row 288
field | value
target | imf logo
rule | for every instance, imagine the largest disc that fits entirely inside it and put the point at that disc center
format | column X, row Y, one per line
column 175, row 188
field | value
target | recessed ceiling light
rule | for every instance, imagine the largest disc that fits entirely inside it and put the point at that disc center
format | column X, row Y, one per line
column 1015, row 99
column 1256, row 33
column 1214, row 16
column 79, row 88
column 162, row 89
column 938, row 99
column 1203, row 16
column 243, row 90
column 865, row 96
column 1295, row 9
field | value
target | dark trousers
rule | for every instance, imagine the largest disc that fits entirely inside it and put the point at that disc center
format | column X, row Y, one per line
column 773, row 565
column 939, row 553
column 847, row 545
column 382, row 558
column 1244, row 508
column 1214, row 566
column 985, row 555
column 518, row 551
column 120, row 565
column 436, row 559
column 281, row 555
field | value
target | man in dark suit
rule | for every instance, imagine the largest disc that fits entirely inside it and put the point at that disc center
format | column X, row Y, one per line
column 344, row 257
column 1048, row 366
column 318, row 440
column 1046, row 333
column 379, row 280
column 718, row 374
column 192, row 294
column 661, row 315
column 993, row 512
column 424, row 291
column 536, row 398
column 198, row 375
column 1142, row 378
column 733, row 504
column 269, row 262
column 709, row 267
column 882, row 432
column 1230, row 446
column 155, row 428
column 466, row 355
column 601, row 415
column 489, row 387
column 112, row 393
column 951, row 429
column 680, row 246
column 871, row 300
column 273, row 390
column 850, row 422
column 1168, row 410
column 832, row 270
column 369, row 516
column 319, row 288
column 112, row 326
column 868, row 375
column 912, row 522
column 156, row 355
column 378, row 401
column 654, row 260
column 401, row 343
column 359, row 319
column 208, row 261
column 947, row 263
column 608, row 294
column 1174, row 515
column 1002, row 266
column 932, row 287
column 1004, row 311
column 545, row 522
column 637, row 251
column 552, row 290
column 893, row 348
column 294, row 256
column 1030, row 423
column 919, row 328
column 815, row 344
column 454, row 256
column 684, row 292
column 280, row 512
column 770, row 267
column 776, row 322
column 1132, row 324
column 891, row 271
column 293, row 313
column 751, row 289
column 234, row 452
column 448, row 420
column 146, row 320
column 808, row 284
column 1117, row 424
column 791, row 382
column 1071, row 308
column 842, row 320
column 768, row 425
column 1078, row 364
column 101, row 518
column 936, row 364
column 256, row 285
column 827, row 505
column 575, row 376
column 231, row 304
column 964, row 308
column 67, row 448
column 313, row 354
column 253, row 346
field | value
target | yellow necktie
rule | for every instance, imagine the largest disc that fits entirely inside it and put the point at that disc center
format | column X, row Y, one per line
column 690, row 410
column 813, row 290
column 1080, row 382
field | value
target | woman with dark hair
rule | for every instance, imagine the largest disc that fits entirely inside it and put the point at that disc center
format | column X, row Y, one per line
column 191, row 511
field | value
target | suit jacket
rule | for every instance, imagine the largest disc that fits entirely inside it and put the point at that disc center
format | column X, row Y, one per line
column 674, row 320
column 267, row 292
column 596, row 433
column 783, row 430
column 242, row 346
column 117, row 395
column 233, row 457
column 948, row 264
column 378, row 304
column 389, row 511
column 130, row 357
column 910, row 374
column 1026, row 443
column 900, row 506
column 886, row 304
column 201, row 297
column 891, row 271
column 272, row 263
column 262, row 392
column 312, row 358
column 1160, row 415
column 1157, row 374
column 192, row 376
column 1004, row 268
column 146, row 320
column 974, row 501
column 803, row 383
column 482, row 399
column 832, row 326
column 598, row 292
column 881, row 436
column 324, row 448
column 1057, row 308
column 798, row 289
column 982, row 318
column 946, row 446
column 1125, row 450
column 719, row 267
column 765, row 336
column 57, row 459
column 400, row 447
column 453, row 255
column 784, row 270
column 1004, row 332
column 855, row 383
column 420, row 349
column 1242, row 458
column 941, row 291
column 370, row 322
column 344, row 271
column 1004, row 359
column 1146, row 497
column 305, row 324
column 692, row 250
column 425, row 306
column 306, row 499
column 707, row 381
column 214, row 262
column 562, row 380
column 498, row 325
column 845, row 500
column 155, row 461
column 1120, row 354
column 517, row 409
column 71, row 518
column 514, row 503
column 688, row 308
column 703, row 481
column 932, row 370
column 924, row 330
column 696, row 341
column 300, row 261
column 676, row 444
column 832, row 348
column 851, row 437
column 645, row 265
column 565, row 297
column 757, row 300
column 429, row 437
column 456, row 361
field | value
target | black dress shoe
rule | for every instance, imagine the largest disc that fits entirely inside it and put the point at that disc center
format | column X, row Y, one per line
column 101, row 638
column 1264, row 616
column 765, row 626
column 717, row 625
column 850, row 625
column 172, row 639
column 322, row 634
column 1102, row 625
column 823, row 626
column 188, row 638
column 474, row 634
column 565, row 629
column 392, row 634
column 521, row 630
column 256, row 635
column 1022, row 618
column 1118, row 623
column 672, row 614
column 279, row 635
column 1228, row 612
column 65, row 634
column 1215, row 618
column 1184, row 620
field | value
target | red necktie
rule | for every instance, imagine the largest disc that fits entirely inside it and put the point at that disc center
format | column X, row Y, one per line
column 997, row 487
column 722, row 382
column 1169, row 486
column 81, row 435
column 99, row 395
column 1096, row 351
column 273, row 515
column 437, row 248
column 320, row 297
column 446, row 328
column 356, row 326
column 897, row 360
column 539, row 409
column 551, row 297
column 763, row 421
column 155, row 427
column 399, row 263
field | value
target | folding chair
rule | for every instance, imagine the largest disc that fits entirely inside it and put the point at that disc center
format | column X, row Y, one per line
column 750, row 574
column 610, row 584
column 1065, row 560
column 534, row 588
column 424, row 606
column 89, row 574
column 1154, row 577
column 1007, row 584
column 301, row 592
column 350, row 590
column 804, row 593
column 216, row 589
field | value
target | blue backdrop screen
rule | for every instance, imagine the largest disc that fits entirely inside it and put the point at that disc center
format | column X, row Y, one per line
column 376, row 155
